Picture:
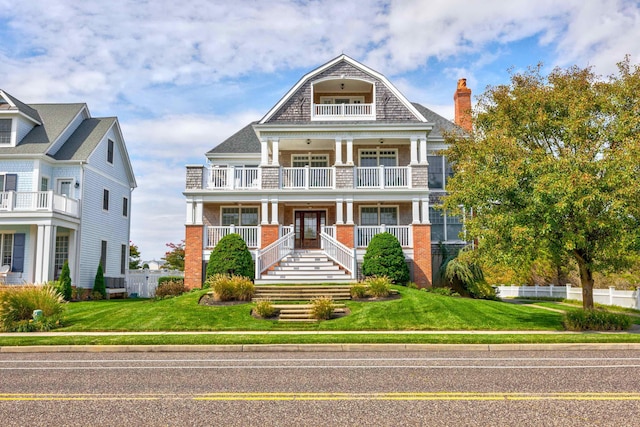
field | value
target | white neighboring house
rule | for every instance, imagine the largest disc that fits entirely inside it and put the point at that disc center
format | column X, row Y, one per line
column 65, row 193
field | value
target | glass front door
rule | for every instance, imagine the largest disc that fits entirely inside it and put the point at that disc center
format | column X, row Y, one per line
column 308, row 225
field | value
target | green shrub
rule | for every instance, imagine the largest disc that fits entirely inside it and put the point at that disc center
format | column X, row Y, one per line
column 596, row 320
column 322, row 308
column 464, row 274
column 65, row 281
column 17, row 304
column 448, row 292
column 222, row 287
column 384, row 257
column 170, row 289
column 232, row 257
column 379, row 287
column 98, row 283
column 164, row 279
column 265, row 309
column 358, row 290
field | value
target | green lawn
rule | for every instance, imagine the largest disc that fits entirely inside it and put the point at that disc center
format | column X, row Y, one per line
column 415, row 310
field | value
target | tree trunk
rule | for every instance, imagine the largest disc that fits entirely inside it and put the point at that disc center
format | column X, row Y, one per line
column 586, row 281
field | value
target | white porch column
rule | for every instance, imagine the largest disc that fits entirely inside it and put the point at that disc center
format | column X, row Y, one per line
column 264, row 152
column 350, row 151
column 44, row 251
column 414, row 150
column 198, row 212
column 338, row 150
column 349, row 211
column 415, row 205
column 339, row 217
column 275, row 147
column 264, row 211
column 425, row 211
column 190, row 213
column 274, row 211
column 73, row 256
column 423, row 151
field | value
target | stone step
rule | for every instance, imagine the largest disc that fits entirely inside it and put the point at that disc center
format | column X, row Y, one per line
column 301, row 278
column 298, row 271
column 314, row 265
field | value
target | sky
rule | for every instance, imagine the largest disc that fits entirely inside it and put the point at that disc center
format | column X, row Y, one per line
column 182, row 76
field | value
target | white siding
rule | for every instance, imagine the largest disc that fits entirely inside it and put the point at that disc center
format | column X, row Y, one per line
column 24, row 170
column 24, row 127
column 98, row 159
column 71, row 172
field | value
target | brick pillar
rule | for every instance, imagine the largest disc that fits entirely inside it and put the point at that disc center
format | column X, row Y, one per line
column 344, row 234
column 462, row 104
column 268, row 234
column 422, row 255
column 193, row 256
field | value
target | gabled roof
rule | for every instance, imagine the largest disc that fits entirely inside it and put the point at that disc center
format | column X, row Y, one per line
column 243, row 141
column 85, row 139
column 342, row 58
column 17, row 105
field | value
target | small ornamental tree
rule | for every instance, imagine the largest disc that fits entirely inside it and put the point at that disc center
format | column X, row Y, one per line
column 232, row 257
column 98, row 284
column 65, row 281
column 384, row 257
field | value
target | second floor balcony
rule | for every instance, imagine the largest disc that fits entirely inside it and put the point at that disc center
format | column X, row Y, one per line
column 38, row 201
column 343, row 112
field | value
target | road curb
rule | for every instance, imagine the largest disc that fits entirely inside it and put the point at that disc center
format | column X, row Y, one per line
column 283, row 348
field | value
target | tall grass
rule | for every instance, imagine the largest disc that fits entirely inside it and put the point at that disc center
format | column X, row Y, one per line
column 17, row 305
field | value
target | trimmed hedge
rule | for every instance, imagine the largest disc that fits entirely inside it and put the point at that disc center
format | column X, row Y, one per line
column 384, row 257
column 231, row 257
column 596, row 320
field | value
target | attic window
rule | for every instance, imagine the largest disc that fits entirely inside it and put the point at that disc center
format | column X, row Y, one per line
column 5, row 131
column 110, row 151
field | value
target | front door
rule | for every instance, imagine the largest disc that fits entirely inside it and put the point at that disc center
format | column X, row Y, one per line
column 308, row 225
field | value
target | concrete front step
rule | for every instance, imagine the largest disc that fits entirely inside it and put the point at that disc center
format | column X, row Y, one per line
column 301, row 293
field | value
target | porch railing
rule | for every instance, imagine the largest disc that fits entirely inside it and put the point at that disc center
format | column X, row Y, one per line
column 364, row 234
column 344, row 256
column 46, row 201
column 273, row 253
column 285, row 229
column 308, row 177
column 234, row 178
column 329, row 230
column 343, row 111
column 250, row 234
column 383, row 177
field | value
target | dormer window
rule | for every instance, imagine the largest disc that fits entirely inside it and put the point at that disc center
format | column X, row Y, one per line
column 5, row 131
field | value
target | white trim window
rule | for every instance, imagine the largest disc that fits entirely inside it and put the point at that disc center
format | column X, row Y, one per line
column 6, row 249
column 378, row 215
column 64, row 186
column 312, row 160
column 372, row 158
column 240, row 216
column 5, row 131
column 444, row 226
column 110, row 148
column 61, row 253
column 440, row 171
column 342, row 99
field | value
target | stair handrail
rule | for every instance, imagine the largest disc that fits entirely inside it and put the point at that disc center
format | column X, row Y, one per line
column 340, row 253
column 273, row 253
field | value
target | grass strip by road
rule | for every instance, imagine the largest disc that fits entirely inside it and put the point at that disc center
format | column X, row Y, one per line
column 381, row 338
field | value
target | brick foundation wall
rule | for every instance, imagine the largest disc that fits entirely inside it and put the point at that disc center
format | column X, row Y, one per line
column 193, row 256
column 344, row 234
column 422, row 272
column 268, row 234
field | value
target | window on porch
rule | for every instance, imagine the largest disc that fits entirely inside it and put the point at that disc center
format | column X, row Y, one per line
column 444, row 226
column 6, row 248
column 239, row 216
column 61, row 253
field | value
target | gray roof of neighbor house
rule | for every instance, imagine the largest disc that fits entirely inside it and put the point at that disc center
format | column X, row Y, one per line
column 23, row 108
column 85, row 139
column 246, row 140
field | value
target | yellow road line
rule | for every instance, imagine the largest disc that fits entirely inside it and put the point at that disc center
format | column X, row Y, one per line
column 280, row 396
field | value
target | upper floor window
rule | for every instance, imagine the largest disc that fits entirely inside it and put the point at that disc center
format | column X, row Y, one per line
column 444, row 226
column 8, row 182
column 440, row 171
column 378, row 215
column 44, row 183
column 105, row 200
column 125, row 207
column 371, row 158
column 5, row 131
column 342, row 99
column 313, row 160
column 110, row 151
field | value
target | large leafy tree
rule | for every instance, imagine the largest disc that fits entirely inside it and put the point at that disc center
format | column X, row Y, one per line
column 551, row 170
column 174, row 257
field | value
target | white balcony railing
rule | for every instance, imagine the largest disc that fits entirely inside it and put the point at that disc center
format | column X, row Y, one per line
column 234, row 178
column 383, row 177
column 250, row 234
column 38, row 201
column 308, row 177
column 364, row 234
column 343, row 112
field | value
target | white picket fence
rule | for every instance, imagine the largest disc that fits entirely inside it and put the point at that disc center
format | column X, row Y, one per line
column 143, row 283
column 610, row 296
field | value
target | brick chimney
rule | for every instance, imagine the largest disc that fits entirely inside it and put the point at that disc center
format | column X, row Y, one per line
column 462, row 102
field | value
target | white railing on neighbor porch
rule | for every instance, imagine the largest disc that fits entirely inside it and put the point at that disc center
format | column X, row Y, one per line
column 250, row 234
column 344, row 256
column 383, row 177
column 234, row 178
column 47, row 201
column 343, row 111
column 364, row 234
column 610, row 296
column 273, row 253
column 307, row 177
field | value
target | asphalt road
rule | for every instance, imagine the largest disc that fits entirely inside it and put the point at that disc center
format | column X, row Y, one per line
column 537, row 388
